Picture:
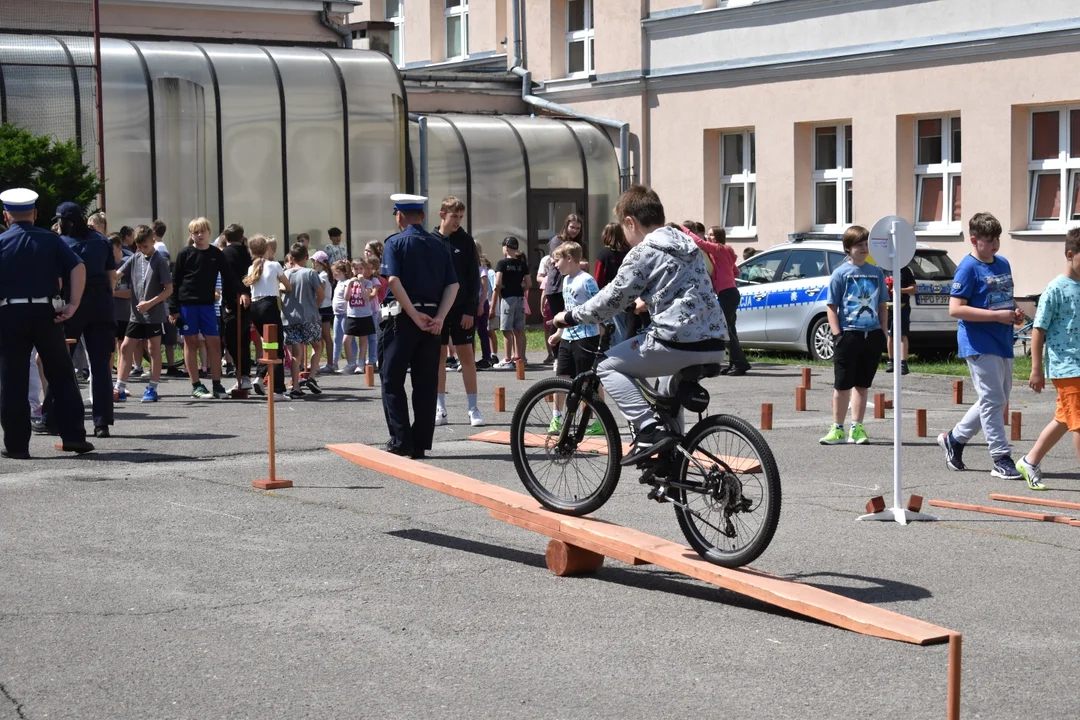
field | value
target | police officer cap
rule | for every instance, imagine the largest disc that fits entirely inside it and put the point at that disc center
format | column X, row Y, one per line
column 18, row 199
column 68, row 211
column 408, row 203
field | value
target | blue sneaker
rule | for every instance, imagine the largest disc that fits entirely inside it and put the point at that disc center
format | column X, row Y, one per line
column 954, row 451
column 150, row 394
column 119, row 394
column 1005, row 468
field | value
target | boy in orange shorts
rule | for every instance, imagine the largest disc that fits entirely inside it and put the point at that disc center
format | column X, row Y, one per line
column 1057, row 327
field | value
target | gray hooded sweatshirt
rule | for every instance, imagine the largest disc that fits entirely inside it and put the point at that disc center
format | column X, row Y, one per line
column 667, row 271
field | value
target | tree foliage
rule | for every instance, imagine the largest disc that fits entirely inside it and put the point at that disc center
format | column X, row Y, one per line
column 53, row 169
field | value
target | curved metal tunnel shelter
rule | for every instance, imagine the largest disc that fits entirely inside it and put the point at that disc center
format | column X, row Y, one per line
column 290, row 140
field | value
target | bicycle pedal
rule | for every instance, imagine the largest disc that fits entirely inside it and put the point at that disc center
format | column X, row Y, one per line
column 659, row 494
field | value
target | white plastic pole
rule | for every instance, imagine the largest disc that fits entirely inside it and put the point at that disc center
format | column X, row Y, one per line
column 898, row 345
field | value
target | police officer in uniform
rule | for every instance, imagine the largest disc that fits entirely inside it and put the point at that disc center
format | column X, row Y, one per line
column 421, row 290
column 94, row 320
column 32, row 263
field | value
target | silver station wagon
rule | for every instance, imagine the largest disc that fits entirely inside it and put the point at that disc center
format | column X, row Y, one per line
column 784, row 288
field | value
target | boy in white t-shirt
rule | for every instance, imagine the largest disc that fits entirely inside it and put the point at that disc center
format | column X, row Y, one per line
column 576, row 346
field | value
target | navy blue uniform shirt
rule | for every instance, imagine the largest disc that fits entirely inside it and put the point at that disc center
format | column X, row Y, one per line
column 32, row 261
column 422, row 263
column 96, row 252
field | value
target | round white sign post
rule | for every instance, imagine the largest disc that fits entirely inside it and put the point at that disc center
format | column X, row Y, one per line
column 892, row 245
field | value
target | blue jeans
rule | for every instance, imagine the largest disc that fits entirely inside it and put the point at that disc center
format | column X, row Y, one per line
column 339, row 338
column 372, row 348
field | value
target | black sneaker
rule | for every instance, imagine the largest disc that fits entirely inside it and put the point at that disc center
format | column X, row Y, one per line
column 101, row 431
column 174, row 371
column 77, row 447
column 954, row 451
column 889, row 366
column 1005, row 468
column 15, row 454
column 311, row 384
column 398, row 450
column 903, row 367
column 648, row 442
column 483, row 364
column 40, row 428
column 296, row 393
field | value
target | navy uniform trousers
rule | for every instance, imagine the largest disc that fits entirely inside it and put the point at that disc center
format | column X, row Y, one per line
column 100, row 339
column 23, row 328
column 403, row 345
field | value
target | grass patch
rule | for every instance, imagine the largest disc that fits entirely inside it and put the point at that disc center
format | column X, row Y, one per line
column 950, row 365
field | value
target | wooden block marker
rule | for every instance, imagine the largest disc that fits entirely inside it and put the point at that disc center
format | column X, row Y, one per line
column 879, row 406
column 800, row 399
column 520, row 366
column 806, row 377
column 500, row 399
column 920, row 422
column 1014, row 433
column 369, row 375
column 914, row 503
column 1024, row 514
column 958, row 392
column 766, row 416
column 888, row 404
column 270, row 348
column 875, row 505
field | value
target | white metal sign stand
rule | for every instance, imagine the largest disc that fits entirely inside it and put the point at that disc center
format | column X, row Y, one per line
column 892, row 245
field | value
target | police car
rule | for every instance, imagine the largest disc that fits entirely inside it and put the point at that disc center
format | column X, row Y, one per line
column 784, row 288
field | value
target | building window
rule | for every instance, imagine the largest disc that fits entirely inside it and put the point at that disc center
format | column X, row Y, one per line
column 832, row 179
column 738, row 182
column 1054, row 168
column 395, row 13
column 579, row 38
column 937, row 172
column 457, row 28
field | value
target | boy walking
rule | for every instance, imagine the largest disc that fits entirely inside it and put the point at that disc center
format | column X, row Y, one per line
column 856, row 305
column 147, row 273
column 578, row 345
column 907, row 289
column 1057, row 328
column 512, row 284
column 982, row 303
column 300, row 313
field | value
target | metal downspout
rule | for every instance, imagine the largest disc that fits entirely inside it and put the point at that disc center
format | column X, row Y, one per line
column 526, row 95
column 343, row 33
column 421, row 120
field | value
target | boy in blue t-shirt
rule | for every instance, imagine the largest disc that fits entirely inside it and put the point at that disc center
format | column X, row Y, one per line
column 1057, row 327
column 856, row 304
column 982, row 303
column 577, row 345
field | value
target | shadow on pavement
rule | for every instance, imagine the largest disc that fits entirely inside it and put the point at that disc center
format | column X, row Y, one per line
column 138, row 457
column 873, row 590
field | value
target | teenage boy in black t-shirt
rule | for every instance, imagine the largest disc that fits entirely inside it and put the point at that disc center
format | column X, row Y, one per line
column 512, row 285
column 907, row 289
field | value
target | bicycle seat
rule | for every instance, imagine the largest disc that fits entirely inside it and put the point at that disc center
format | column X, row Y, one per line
column 693, row 373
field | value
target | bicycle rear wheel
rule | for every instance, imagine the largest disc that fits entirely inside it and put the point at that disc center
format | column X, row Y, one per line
column 578, row 476
column 734, row 519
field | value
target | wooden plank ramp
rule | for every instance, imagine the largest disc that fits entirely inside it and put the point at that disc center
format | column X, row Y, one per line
column 634, row 547
column 1062, row 504
column 599, row 446
column 1024, row 514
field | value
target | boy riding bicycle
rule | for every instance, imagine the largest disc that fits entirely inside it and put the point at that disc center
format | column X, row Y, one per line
column 665, row 269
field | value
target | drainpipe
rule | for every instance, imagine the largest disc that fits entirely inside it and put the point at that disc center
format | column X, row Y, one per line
column 518, row 68
column 344, row 33
column 422, row 121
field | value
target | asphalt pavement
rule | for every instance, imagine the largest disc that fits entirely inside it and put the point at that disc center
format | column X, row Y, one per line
column 150, row 580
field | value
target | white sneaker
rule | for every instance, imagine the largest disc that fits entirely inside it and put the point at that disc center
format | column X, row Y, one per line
column 281, row 397
column 505, row 365
column 475, row 418
column 359, row 370
column 257, row 386
column 244, row 384
column 441, row 417
column 350, row 369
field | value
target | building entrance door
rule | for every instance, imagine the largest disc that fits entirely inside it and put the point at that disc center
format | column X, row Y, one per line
column 547, row 211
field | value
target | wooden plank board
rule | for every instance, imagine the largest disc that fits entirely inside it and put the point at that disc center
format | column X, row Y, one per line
column 1023, row 514
column 1062, row 504
column 599, row 445
column 632, row 545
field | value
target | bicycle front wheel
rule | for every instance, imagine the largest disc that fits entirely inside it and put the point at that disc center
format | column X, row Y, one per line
column 573, row 472
column 732, row 519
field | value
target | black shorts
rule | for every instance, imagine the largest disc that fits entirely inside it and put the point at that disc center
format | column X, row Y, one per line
column 574, row 356
column 144, row 331
column 555, row 303
column 905, row 321
column 326, row 314
column 856, row 358
column 453, row 332
column 359, row 326
column 121, row 329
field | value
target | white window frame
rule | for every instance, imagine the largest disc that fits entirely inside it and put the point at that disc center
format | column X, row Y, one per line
column 747, row 179
column 839, row 175
column 1068, row 169
column 461, row 11
column 946, row 169
column 586, row 37
column 399, row 32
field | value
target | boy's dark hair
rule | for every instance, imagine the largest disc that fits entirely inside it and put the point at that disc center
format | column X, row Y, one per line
column 695, row 227
column 115, row 240
column 853, row 236
column 719, row 234
column 234, row 233
column 1072, row 241
column 298, row 252
column 334, row 232
column 452, row 204
column 984, row 225
column 126, row 232
column 613, row 238
column 143, row 233
column 159, row 229
column 641, row 203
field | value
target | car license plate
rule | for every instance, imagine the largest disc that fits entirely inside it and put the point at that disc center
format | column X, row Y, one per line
column 931, row 299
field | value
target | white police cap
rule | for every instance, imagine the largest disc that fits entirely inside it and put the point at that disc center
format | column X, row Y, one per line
column 18, row 199
column 408, row 203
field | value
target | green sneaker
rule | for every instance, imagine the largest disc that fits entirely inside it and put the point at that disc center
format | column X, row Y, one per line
column 857, row 435
column 835, row 436
column 199, row 392
column 1032, row 474
column 595, row 428
column 555, row 426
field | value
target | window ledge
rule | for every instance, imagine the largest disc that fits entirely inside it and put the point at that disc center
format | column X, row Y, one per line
column 939, row 232
column 742, row 236
column 1049, row 232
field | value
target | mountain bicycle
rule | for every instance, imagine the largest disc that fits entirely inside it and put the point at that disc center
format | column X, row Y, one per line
column 720, row 476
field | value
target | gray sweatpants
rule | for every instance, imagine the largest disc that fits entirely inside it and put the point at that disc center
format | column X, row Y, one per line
column 992, row 377
column 643, row 357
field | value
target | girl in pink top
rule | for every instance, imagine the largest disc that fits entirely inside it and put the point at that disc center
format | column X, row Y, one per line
column 723, row 279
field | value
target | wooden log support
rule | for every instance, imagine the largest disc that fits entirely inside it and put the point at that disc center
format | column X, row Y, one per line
column 270, row 358
column 806, row 376
column 369, row 375
column 958, row 392
column 238, row 393
column 879, row 406
column 766, row 416
column 500, row 399
column 1014, row 432
column 953, row 695
column 875, row 505
column 1062, row 504
column 920, row 422
column 800, row 399
column 564, row 559
column 1023, row 514
column 520, row 367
